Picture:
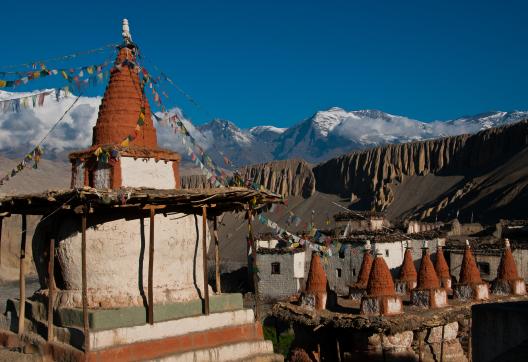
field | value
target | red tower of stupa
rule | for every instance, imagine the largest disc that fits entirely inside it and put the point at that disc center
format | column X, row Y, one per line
column 470, row 285
column 124, row 151
column 442, row 269
column 407, row 279
column 508, row 281
column 316, row 284
column 428, row 292
column 381, row 296
column 359, row 289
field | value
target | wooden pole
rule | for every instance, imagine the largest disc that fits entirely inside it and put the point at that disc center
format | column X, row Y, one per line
column 470, row 342
column 442, row 345
column 420, row 346
column 84, row 281
column 152, row 210
column 338, row 349
column 51, row 288
column 217, row 256
column 204, row 254
column 1, row 224
column 22, row 278
column 151, row 269
column 254, row 262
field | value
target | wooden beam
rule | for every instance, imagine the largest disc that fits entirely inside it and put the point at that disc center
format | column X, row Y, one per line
column 150, row 292
column 204, row 254
column 254, row 263
column 217, row 256
column 151, row 269
column 84, row 282
column 51, row 288
column 22, row 278
column 1, row 224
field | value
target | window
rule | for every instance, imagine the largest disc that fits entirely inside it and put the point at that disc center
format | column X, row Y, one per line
column 484, row 267
column 338, row 272
column 353, row 271
column 387, row 252
column 275, row 268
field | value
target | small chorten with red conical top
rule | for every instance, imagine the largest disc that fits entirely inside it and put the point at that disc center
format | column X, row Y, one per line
column 315, row 294
column 381, row 298
column 428, row 292
column 441, row 267
column 508, row 281
column 470, row 285
column 407, row 279
column 359, row 289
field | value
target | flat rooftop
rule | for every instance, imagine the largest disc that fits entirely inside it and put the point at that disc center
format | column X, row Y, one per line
column 188, row 201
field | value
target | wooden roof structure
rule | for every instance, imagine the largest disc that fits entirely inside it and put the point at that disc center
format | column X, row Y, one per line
column 188, row 201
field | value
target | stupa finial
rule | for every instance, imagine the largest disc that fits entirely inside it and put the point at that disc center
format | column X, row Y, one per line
column 127, row 37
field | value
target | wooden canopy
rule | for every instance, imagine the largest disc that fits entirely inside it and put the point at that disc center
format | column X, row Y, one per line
column 188, row 201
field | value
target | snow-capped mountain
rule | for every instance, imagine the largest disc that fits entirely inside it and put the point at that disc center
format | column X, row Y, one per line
column 324, row 135
column 336, row 131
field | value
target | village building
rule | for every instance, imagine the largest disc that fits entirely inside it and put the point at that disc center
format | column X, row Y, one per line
column 416, row 226
column 281, row 272
column 361, row 221
column 122, row 256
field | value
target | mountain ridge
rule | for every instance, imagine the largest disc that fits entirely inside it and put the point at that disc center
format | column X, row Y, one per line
column 323, row 135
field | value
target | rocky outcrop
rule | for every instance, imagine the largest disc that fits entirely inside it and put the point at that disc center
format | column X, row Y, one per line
column 287, row 177
column 372, row 175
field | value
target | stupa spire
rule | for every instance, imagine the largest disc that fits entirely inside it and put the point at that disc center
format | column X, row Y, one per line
column 127, row 37
column 316, row 282
column 380, row 279
column 427, row 278
column 364, row 271
column 469, row 273
column 441, row 267
column 408, row 270
column 507, row 268
column 125, row 111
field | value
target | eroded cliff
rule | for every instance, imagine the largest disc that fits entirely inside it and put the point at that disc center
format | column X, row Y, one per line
column 370, row 177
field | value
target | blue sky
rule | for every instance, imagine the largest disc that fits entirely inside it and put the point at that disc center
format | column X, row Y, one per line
column 277, row 62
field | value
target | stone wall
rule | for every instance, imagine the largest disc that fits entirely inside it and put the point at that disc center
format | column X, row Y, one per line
column 411, row 345
column 277, row 286
column 341, row 269
column 498, row 328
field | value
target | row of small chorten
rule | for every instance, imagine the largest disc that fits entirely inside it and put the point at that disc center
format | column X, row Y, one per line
column 428, row 288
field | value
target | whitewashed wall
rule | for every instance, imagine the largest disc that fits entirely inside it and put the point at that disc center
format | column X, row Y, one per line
column 146, row 173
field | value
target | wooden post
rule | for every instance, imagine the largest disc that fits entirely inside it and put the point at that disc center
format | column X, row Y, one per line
column 338, row 349
column 22, row 278
column 204, row 254
column 442, row 345
column 1, row 224
column 470, row 347
column 51, row 288
column 420, row 346
column 217, row 257
column 150, row 296
column 254, row 263
column 382, row 348
column 151, row 269
column 84, row 281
